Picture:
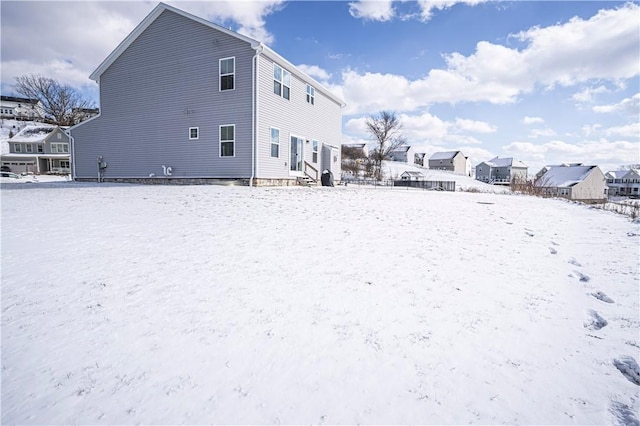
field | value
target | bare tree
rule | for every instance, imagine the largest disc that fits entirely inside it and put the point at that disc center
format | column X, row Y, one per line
column 386, row 130
column 62, row 103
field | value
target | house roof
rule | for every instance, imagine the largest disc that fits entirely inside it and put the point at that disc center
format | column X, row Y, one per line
column 36, row 133
column 411, row 173
column 255, row 44
column 447, row 155
column 624, row 174
column 565, row 176
column 506, row 162
column 402, row 148
column 19, row 100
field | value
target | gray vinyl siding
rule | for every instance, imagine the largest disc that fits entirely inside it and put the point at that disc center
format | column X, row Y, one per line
column 165, row 82
column 321, row 121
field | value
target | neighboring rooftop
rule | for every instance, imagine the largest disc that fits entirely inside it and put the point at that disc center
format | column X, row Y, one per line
column 33, row 133
column 448, row 155
column 564, row 176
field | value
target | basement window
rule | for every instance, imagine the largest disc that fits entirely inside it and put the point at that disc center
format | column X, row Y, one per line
column 194, row 133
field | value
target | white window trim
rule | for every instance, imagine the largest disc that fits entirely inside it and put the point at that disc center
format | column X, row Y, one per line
column 220, row 141
column 271, row 142
column 220, row 74
column 59, row 148
column 311, row 94
column 197, row 129
column 315, row 146
column 281, row 81
column 17, row 147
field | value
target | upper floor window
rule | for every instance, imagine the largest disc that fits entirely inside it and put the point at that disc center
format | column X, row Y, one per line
column 227, row 140
column 59, row 148
column 40, row 148
column 227, row 73
column 17, row 147
column 29, row 147
column 275, row 142
column 315, row 152
column 311, row 95
column 194, row 133
column 281, row 82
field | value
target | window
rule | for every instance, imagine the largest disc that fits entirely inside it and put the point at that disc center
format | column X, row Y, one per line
column 311, row 94
column 29, row 147
column 64, row 164
column 315, row 152
column 275, row 142
column 17, row 147
column 227, row 140
column 194, row 133
column 227, row 73
column 40, row 148
column 59, row 148
column 281, row 82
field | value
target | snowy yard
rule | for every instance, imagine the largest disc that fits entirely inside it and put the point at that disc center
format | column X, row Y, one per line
column 125, row 304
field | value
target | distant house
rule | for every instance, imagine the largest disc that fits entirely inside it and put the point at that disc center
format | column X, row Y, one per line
column 453, row 161
column 403, row 154
column 411, row 175
column 418, row 158
column 501, row 171
column 82, row 114
column 38, row 149
column 573, row 181
column 17, row 108
column 185, row 100
column 624, row 183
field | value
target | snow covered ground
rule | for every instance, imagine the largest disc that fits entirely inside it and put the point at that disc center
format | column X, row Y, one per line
column 126, row 304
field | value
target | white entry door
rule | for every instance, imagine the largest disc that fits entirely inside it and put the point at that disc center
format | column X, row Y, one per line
column 296, row 155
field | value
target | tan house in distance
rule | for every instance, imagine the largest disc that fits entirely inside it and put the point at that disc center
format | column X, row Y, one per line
column 573, row 181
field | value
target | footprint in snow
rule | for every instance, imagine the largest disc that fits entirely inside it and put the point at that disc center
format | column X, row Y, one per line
column 623, row 414
column 553, row 251
column 573, row 261
column 582, row 277
column 594, row 321
column 629, row 368
column 601, row 296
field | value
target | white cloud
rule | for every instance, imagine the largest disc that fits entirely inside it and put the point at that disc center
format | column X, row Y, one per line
column 474, row 126
column 532, row 120
column 628, row 105
column 427, row 6
column 604, row 47
column 541, row 133
column 248, row 15
column 372, row 10
column 316, row 72
column 587, row 95
column 628, row 131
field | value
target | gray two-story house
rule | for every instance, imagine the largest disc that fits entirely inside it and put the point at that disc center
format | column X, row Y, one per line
column 501, row 171
column 38, row 149
column 185, row 100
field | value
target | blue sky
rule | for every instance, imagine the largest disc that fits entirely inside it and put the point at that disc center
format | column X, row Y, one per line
column 544, row 82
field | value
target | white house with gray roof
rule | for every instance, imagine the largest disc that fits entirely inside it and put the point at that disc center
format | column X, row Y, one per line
column 184, row 100
column 501, row 171
column 573, row 181
column 453, row 161
column 40, row 148
column 623, row 183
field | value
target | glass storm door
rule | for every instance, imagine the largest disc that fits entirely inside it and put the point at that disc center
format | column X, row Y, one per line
column 296, row 154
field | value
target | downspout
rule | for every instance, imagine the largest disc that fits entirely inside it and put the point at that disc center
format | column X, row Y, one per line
column 73, row 158
column 254, row 114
